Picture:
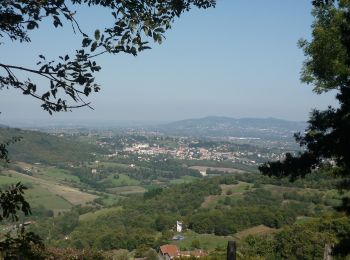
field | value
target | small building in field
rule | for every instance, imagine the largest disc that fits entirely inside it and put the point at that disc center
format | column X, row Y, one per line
column 203, row 172
column 179, row 226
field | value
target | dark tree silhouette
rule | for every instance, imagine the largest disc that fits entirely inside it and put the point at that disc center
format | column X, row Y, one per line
column 327, row 138
column 327, row 67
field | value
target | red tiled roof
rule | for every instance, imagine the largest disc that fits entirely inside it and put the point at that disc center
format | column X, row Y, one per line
column 171, row 250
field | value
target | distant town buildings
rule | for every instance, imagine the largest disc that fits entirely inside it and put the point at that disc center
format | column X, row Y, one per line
column 186, row 152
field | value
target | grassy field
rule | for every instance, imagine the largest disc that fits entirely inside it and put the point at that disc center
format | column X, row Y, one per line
column 127, row 190
column 7, row 179
column 184, row 179
column 234, row 191
column 91, row 216
column 55, row 174
column 72, row 195
column 121, row 180
column 207, row 242
column 257, row 230
column 50, row 173
column 38, row 196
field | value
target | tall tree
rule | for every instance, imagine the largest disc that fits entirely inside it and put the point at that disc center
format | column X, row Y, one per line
column 327, row 68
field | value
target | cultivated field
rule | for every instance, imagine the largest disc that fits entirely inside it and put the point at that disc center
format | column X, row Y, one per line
column 72, row 195
column 91, row 216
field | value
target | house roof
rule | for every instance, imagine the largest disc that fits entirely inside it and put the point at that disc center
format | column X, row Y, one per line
column 171, row 250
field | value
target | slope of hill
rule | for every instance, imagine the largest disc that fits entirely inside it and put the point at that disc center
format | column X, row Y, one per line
column 41, row 147
column 230, row 127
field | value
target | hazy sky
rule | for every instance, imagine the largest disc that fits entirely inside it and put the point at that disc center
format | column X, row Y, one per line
column 240, row 60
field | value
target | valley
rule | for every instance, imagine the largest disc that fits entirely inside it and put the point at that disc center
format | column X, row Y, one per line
column 113, row 194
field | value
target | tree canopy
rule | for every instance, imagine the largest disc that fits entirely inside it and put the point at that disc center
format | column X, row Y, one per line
column 327, row 67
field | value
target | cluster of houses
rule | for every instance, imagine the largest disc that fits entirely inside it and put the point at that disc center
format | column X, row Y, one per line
column 201, row 153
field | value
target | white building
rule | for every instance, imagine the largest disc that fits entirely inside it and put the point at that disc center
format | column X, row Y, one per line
column 179, row 226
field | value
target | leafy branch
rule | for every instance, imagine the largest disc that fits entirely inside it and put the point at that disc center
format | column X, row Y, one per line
column 71, row 80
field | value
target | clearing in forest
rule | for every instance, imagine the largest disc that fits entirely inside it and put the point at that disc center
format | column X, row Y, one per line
column 255, row 231
column 72, row 195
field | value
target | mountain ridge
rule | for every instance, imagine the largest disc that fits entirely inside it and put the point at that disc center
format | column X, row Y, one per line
column 243, row 119
column 219, row 126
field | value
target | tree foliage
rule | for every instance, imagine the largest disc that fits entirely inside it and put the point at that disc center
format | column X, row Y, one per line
column 327, row 67
column 300, row 241
column 71, row 77
column 24, row 245
column 4, row 147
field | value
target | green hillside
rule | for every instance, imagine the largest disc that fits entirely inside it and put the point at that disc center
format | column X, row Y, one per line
column 45, row 148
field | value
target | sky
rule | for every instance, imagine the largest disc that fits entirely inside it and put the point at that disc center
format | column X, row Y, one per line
column 239, row 59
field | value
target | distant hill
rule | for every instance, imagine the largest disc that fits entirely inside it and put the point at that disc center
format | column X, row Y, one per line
column 215, row 126
column 42, row 147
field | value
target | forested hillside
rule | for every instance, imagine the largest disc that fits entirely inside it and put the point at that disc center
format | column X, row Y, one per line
column 213, row 211
column 131, row 202
column 44, row 148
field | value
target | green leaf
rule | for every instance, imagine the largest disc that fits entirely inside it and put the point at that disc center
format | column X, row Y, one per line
column 97, row 35
column 86, row 42
column 31, row 25
column 93, row 46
